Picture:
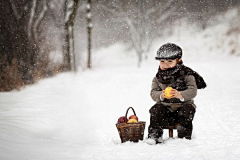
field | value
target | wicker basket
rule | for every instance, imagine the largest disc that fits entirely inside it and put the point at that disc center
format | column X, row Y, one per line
column 131, row 131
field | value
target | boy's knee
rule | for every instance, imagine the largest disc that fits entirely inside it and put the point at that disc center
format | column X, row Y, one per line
column 154, row 109
column 187, row 111
column 157, row 108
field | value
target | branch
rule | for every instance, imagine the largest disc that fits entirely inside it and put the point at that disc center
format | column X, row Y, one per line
column 118, row 11
column 133, row 32
column 114, row 12
column 16, row 14
column 169, row 4
column 69, row 9
column 39, row 19
column 73, row 14
column 166, row 15
column 159, row 8
column 32, row 14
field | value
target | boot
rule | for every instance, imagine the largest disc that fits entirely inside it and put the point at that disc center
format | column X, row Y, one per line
column 184, row 132
column 154, row 141
column 155, row 136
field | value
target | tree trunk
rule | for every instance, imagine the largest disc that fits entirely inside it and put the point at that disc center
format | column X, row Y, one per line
column 89, row 32
column 69, row 37
column 67, row 57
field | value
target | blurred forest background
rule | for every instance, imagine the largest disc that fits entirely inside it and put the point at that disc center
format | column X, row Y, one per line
column 40, row 38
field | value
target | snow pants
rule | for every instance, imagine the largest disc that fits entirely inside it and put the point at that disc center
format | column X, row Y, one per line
column 161, row 116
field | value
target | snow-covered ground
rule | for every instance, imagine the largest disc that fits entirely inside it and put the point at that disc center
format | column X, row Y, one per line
column 72, row 116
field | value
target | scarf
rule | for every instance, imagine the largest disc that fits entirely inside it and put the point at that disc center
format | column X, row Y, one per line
column 176, row 77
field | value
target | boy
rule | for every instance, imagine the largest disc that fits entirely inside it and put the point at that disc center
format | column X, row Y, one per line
column 180, row 107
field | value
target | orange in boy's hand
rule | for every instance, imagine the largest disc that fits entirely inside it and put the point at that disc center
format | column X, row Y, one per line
column 167, row 92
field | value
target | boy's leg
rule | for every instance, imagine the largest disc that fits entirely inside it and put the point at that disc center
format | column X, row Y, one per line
column 157, row 118
column 186, row 115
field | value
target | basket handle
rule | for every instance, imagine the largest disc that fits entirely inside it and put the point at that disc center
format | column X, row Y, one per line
column 125, row 120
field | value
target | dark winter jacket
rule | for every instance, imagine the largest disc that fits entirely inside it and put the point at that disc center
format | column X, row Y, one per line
column 185, row 83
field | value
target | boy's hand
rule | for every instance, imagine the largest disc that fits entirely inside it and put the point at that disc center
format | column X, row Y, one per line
column 163, row 95
column 175, row 94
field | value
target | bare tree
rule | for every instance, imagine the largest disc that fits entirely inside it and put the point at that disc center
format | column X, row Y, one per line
column 70, row 10
column 20, row 22
column 142, row 19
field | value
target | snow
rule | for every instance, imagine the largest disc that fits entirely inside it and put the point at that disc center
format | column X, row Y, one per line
column 72, row 116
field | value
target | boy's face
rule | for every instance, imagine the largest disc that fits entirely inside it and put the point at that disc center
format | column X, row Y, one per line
column 165, row 64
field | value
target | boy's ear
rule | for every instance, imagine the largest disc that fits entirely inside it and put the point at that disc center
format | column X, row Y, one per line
column 179, row 60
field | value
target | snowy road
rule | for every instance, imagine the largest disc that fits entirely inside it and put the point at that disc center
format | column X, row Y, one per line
column 73, row 116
